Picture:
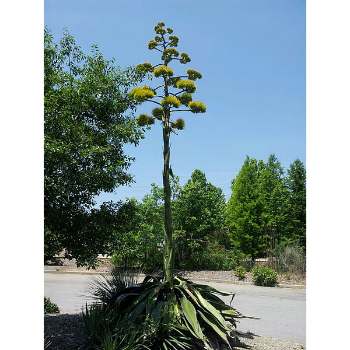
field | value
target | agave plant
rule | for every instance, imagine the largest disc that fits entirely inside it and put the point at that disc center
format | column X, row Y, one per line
column 184, row 316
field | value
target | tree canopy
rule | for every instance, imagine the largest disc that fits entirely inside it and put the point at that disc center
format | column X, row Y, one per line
column 244, row 210
column 267, row 207
column 88, row 121
column 296, row 185
column 198, row 216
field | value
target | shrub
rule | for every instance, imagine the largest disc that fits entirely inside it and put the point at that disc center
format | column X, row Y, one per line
column 50, row 307
column 240, row 272
column 212, row 257
column 264, row 276
column 290, row 258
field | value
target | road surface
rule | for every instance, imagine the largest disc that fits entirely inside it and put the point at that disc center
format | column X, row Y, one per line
column 281, row 311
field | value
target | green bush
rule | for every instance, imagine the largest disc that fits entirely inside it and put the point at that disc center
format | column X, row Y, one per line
column 212, row 257
column 290, row 258
column 264, row 276
column 50, row 307
column 240, row 272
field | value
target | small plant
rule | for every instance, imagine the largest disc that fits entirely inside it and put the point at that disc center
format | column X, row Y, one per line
column 264, row 276
column 240, row 272
column 50, row 307
column 290, row 258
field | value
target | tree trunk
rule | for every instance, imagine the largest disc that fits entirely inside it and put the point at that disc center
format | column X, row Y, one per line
column 168, row 225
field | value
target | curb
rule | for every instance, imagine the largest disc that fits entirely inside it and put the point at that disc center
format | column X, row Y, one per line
column 74, row 272
column 281, row 285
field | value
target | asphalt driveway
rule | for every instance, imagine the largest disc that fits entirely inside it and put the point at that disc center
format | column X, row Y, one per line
column 281, row 311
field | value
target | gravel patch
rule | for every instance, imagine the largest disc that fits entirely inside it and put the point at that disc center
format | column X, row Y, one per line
column 266, row 343
column 66, row 332
column 229, row 276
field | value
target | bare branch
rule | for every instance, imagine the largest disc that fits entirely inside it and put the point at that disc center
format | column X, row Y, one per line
column 158, row 87
column 180, row 110
column 180, row 76
column 179, row 92
column 154, row 102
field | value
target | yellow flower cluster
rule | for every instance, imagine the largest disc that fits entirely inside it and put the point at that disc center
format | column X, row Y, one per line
column 185, row 98
column 197, row 107
column 179, row 124
column 187, row 85
column 152, row 44
column 159, row 28
column 163, row 71
column 193, row 74
column 171, row 101
column 173, row 40
column 158, row 113
column 141, row 93
column 144, row 119
column 171, row 52
column 184, row 58
column 144, row 67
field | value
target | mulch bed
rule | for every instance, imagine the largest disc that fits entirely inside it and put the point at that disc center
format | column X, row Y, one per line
column 64, row 332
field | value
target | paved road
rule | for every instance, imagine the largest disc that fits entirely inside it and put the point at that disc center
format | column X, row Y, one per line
column 281, row 310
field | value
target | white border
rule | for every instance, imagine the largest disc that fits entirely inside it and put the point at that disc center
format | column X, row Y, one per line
column 328, row 209
column 21, row 144
column 328, row 115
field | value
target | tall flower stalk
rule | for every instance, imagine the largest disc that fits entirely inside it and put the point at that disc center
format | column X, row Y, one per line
column 171, row 96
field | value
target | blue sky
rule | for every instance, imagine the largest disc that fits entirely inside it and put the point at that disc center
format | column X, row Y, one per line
column 252, row 57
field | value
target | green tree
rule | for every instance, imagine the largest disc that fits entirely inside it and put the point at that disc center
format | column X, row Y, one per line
column 273, row 197
column 172, row 92
column 199, row 217
column 87, row 124
column 244, row 210
column 296, row 184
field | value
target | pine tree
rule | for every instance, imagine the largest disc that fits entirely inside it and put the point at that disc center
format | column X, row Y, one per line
column 273, row 196
column 296, row 184
column 244, row 210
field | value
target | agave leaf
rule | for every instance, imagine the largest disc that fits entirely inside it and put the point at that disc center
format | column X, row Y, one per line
column 230, row 312
column 215, row 328
column 209, row 289
column 211, row 309
column 189, row 312
column 175, row 343
column 178, row 343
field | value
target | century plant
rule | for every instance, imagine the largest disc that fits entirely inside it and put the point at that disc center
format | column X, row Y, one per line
column 172, row 95
column 172, row 312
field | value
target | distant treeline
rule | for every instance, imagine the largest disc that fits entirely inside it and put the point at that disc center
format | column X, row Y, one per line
column 266, row 209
